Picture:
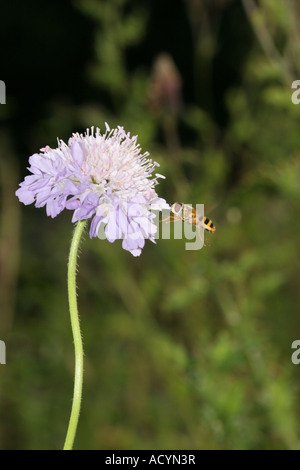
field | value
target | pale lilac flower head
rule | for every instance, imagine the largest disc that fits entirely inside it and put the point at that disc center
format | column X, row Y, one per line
column 105, row 178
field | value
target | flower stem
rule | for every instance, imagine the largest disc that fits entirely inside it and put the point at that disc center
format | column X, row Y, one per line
column 76, row 336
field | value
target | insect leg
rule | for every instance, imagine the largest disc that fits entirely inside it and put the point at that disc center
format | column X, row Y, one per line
column 170, row 217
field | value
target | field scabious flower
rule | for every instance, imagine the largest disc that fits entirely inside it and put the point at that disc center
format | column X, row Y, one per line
column 103, row 177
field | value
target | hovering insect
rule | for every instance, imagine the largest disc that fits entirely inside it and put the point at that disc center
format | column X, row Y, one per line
column 189, row 214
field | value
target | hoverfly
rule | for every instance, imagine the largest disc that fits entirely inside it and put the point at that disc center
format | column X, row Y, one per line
column 187, row 213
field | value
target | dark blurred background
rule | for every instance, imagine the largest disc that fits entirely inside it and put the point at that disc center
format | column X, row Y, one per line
column 183, row 349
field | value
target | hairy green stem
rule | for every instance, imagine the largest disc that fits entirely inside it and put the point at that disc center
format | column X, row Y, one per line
column 76, row 336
